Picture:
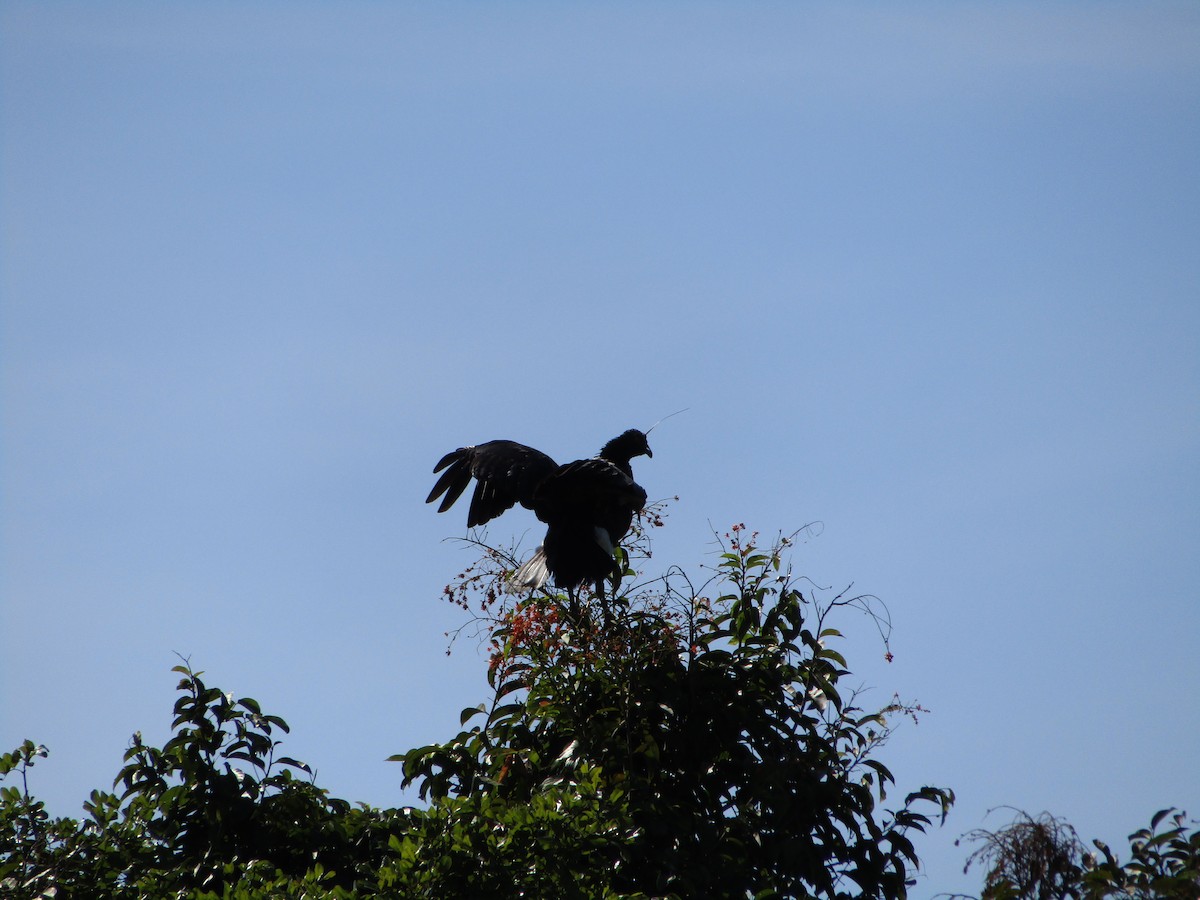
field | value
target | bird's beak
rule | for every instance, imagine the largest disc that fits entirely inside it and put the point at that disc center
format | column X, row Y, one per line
column 649, row 453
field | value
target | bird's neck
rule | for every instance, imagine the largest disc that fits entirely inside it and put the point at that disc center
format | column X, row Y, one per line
column 614, row 453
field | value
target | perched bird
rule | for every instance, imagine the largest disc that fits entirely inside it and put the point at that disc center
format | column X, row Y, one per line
column 588, row 505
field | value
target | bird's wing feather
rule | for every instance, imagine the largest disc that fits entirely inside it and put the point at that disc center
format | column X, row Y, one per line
column 506, row 473
column 454, row 480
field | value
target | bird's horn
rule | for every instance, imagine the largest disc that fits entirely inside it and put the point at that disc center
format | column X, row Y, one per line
column 664, row 418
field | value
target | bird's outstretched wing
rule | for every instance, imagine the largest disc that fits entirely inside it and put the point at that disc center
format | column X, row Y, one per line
column 506, row 473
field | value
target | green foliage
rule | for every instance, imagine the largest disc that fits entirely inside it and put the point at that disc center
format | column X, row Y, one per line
column 1030, row 858
column 1163, row 864
column 555, row 842
column 26, row 829
column 673, row 740
column 1043, row 858
column 213, row 813
column 711, row 722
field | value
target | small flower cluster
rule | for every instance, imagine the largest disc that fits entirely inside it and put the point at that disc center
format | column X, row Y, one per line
column 655, row 514
column 531, row 629
column 533, row 625
column 483, row 579
column 739, row 542
column 910, row 710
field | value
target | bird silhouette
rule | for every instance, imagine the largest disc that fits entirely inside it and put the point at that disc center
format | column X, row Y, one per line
column 588, row 505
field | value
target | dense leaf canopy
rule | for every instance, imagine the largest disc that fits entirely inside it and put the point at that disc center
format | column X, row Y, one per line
column 687, row 737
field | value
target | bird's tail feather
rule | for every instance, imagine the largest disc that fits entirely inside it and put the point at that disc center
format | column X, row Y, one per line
column 533, row 574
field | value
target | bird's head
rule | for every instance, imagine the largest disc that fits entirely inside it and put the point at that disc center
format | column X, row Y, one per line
column 626, row 446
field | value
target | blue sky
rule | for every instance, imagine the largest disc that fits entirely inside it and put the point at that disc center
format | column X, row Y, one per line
column 927, row 275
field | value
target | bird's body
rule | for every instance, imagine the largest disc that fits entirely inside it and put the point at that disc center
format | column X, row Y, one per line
column 587, row 505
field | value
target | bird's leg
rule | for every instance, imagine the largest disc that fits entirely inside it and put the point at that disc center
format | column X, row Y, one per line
column 604, row 610
column 573, row 606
